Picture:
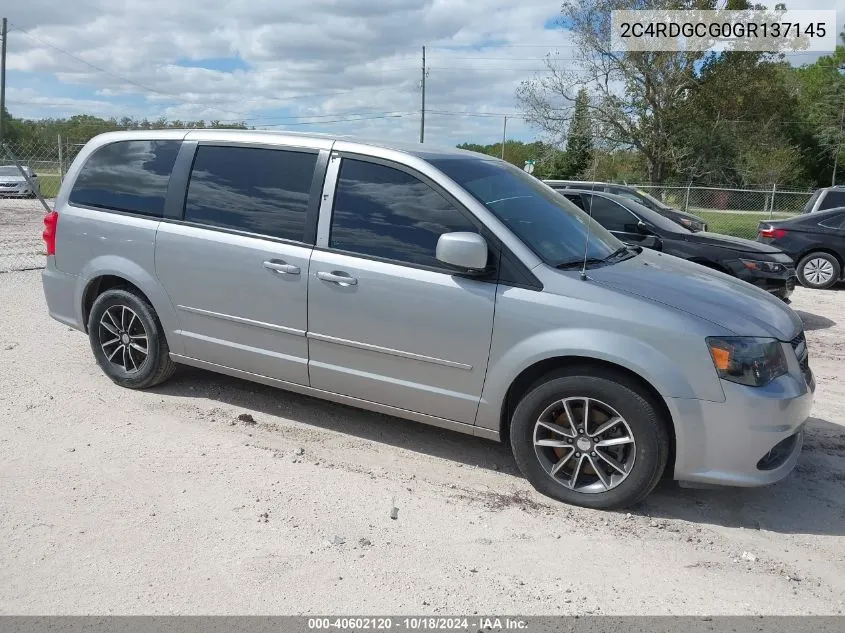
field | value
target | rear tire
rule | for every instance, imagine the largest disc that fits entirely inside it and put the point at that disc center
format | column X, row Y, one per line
column 128, row 341
column 617, row 467
column 818, row 270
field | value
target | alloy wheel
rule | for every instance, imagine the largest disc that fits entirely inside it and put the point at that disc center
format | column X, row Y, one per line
column 123, row 338
column 584, row 444
column 818, row 271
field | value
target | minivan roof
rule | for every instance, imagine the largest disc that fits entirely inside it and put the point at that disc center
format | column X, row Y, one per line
column 215, row 134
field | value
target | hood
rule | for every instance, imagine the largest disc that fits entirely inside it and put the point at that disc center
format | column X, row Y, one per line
column 708, row 294
column 15, row 179
column 734, row 243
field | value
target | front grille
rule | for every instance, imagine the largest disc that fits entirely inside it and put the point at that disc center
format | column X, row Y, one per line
column 799, row 345
column 8, row 184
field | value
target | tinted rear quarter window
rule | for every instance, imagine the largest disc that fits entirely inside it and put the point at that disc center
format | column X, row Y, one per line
column 256, row 190
column 127, row 176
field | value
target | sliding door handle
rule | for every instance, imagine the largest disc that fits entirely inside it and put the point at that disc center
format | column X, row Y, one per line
column 338, row 277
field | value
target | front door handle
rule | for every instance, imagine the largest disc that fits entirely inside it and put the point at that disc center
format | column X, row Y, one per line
column 338, row 277
column 281, row 267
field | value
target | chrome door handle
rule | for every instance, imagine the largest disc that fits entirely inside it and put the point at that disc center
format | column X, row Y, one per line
column 339, row 278
column 281, row 267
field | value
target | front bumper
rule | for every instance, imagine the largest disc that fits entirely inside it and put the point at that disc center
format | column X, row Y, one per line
column 15, row 190
column 753, row 438
column 781, row 284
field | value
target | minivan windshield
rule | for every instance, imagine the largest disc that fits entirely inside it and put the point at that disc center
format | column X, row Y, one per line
column 550, row 225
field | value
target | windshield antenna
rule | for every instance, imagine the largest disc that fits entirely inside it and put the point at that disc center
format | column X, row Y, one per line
column 590, row 214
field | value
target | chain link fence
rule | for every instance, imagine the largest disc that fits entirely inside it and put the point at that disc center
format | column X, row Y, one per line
column 731, row 211
column 21, row 210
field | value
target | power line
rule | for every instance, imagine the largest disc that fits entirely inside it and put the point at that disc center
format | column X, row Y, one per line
column 373, row 118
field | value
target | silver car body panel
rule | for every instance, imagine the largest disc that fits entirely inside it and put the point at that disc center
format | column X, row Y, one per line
column 425, row 344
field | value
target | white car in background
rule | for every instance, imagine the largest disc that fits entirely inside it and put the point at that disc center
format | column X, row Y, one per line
column 12, row 182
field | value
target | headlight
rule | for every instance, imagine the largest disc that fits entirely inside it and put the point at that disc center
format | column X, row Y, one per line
column 748, row 361
column 766, row 267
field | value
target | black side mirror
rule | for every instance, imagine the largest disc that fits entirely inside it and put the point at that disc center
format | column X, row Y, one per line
column 651, row 241
column 644, row 228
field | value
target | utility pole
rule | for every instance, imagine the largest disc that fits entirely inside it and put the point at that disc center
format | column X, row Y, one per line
column 504, row 133
column 4, row 34
column 422, row 109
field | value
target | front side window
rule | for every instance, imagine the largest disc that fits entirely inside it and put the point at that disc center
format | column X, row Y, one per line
column 385, row 212
column 545, row 221
column 128, row 176
column 256, row 190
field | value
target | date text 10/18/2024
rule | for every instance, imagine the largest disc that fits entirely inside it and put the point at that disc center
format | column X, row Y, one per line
column 422, row 623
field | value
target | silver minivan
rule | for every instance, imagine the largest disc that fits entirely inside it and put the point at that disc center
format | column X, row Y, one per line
column 441, row 286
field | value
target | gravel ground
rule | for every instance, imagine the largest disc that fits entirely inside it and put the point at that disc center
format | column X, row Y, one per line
column 217, row 496
column 21, row 224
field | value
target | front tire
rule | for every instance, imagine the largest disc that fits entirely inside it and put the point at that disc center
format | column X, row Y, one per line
column 128, row 341
column 818, row 270
column 589, row 440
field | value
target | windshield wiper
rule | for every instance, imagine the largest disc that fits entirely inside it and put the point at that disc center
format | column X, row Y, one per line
column 624, row 250
column 577, row 263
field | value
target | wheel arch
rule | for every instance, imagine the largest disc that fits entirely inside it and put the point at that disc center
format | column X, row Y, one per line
column 822, row 249
column 109, row 272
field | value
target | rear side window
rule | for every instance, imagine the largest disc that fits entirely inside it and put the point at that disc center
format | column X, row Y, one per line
column 264, row 191
column 384, row 212
column 832, row 200
column 834, row 222
column 128, row 176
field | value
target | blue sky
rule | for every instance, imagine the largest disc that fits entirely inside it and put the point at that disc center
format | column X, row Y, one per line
column 300, row 64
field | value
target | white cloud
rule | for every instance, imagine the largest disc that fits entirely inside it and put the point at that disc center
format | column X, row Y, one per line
column 367, row 52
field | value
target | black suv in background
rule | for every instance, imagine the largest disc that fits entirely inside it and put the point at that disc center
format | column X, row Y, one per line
column 815, row 241
column 687, row 220
column 826, row 198
column 765, row 266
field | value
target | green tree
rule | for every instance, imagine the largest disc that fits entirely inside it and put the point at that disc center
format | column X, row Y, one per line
column 578, row 157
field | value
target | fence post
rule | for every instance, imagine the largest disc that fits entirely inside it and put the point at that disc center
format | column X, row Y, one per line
column 686, row 198
column 61, row 162
column 772, row 206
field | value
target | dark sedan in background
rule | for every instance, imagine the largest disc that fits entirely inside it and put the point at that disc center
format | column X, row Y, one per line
column 815, row 241
column 764, row 266
column 688, row 220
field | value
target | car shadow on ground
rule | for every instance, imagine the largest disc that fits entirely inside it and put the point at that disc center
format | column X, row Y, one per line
column 814, row 321
column 809, row 501
column 258, row 399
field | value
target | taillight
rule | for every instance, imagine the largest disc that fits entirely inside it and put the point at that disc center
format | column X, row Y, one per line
column 771, row 233
column 49, row 234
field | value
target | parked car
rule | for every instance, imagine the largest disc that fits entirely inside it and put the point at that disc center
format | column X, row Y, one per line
column 687, row 220
column 825, row 198
column 766, row 267
column 815, row 242
column 12, row 182
column 441, row 286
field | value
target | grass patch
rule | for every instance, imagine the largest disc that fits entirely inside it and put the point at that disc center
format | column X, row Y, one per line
column 50, row 184
column 736, row 224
